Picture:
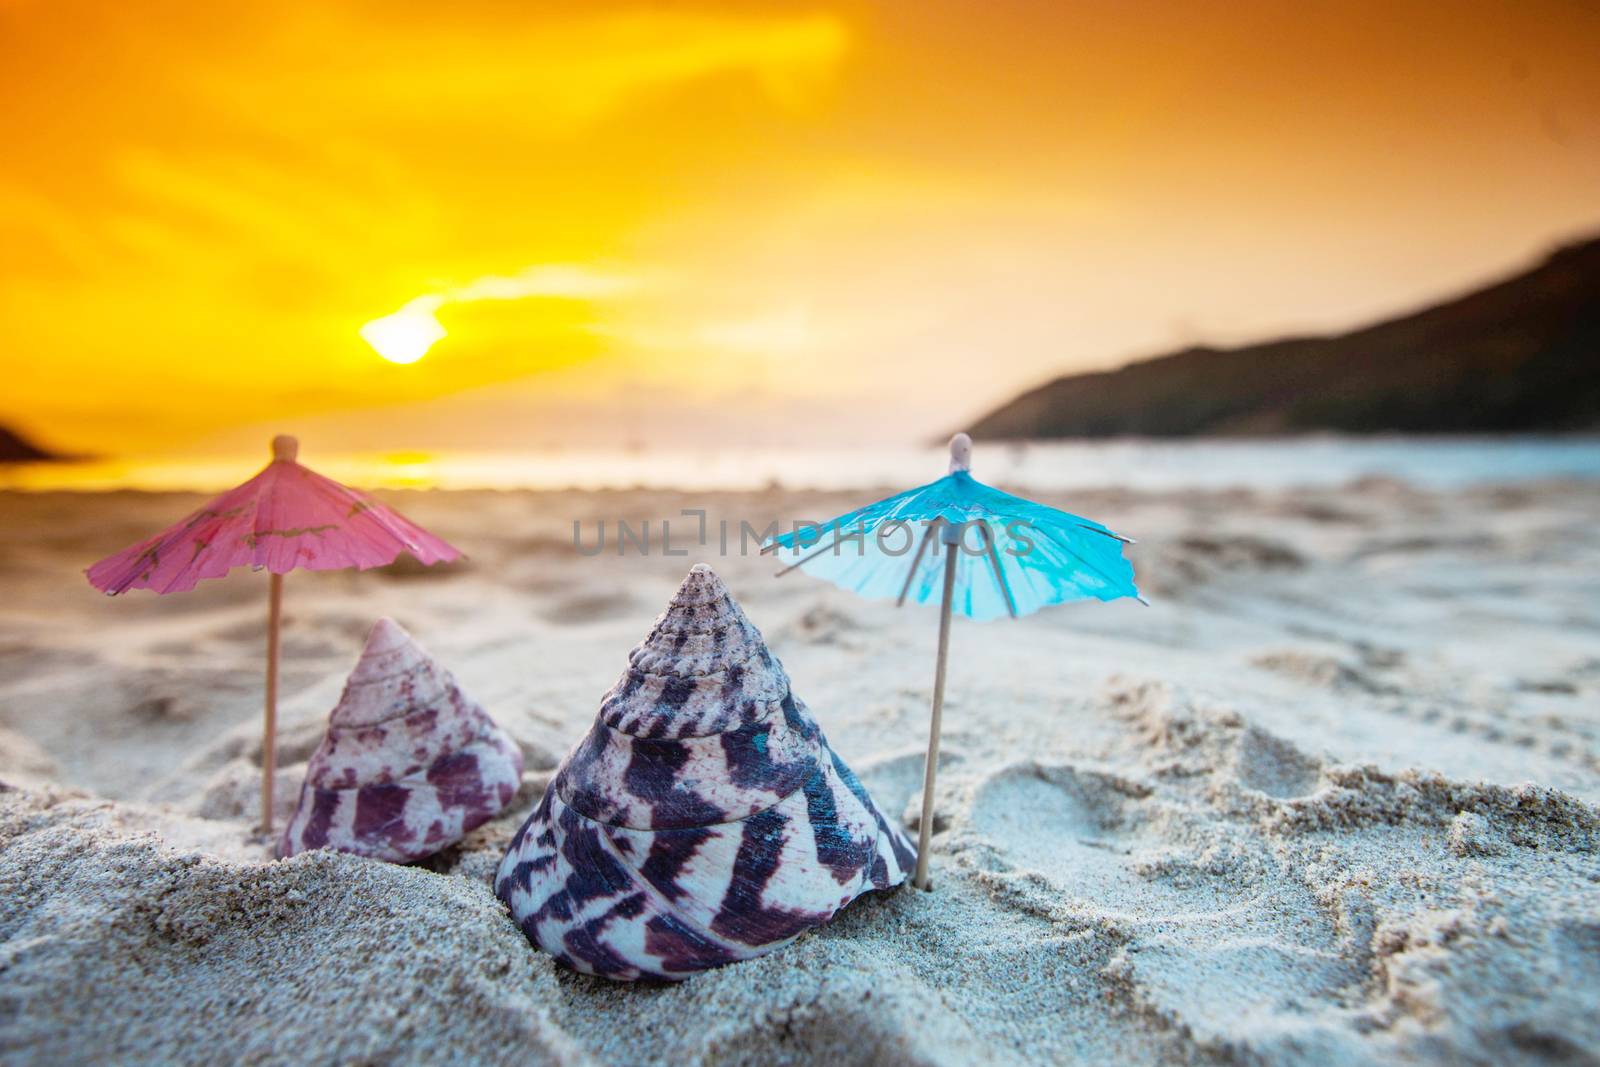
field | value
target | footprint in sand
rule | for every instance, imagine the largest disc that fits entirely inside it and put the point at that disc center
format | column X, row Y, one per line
column 821, row 624
column 315, row 633
column 1323, row 671
column 22, row 661
column 1213, row 936
column 1096, row 839
column 1270, row 764
column 896, row 783
column 597, row 606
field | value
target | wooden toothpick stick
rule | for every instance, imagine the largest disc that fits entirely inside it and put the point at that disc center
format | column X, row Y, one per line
column 925, row 824
column 269, row 740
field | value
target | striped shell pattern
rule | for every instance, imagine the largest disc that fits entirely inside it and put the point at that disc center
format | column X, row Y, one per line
column 703, row 819
column 409, row 765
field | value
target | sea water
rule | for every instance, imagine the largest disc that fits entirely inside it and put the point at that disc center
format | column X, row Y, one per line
column 1140, row 464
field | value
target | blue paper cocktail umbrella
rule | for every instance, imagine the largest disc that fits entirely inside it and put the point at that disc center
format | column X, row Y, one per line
column 970, row 548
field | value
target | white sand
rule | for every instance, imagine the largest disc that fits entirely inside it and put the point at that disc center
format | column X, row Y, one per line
column 1329, row 800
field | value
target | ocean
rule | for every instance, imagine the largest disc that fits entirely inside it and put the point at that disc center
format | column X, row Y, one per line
column 1140, row 464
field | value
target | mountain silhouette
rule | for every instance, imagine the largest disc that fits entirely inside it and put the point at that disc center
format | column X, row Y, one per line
column 17, row 449
column 1520, row 355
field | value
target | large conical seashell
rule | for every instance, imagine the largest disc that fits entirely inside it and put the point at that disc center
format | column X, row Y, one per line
column 409, row 765
column 703, row 819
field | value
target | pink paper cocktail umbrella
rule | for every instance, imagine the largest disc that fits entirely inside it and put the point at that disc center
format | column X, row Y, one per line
column 287, row 516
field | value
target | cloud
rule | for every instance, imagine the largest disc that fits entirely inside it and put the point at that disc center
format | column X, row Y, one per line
column 404, row 336
column 554, row 76
column 785, row 332
column 562, row 281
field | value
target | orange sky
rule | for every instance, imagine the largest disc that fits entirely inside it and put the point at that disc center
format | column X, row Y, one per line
column 764, row 222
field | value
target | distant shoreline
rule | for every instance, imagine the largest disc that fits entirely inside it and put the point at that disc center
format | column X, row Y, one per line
column 1514, row 356
column 1140, row 464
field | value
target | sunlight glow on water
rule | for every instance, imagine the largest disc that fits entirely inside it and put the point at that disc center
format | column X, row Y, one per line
column 1129, row 464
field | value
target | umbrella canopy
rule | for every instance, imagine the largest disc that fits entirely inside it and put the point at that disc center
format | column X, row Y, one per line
column 287, row 516
column 1013, row 556
column 970, row 548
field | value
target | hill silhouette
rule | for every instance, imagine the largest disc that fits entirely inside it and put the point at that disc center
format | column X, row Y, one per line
column 17, row 449
column 1522, row 354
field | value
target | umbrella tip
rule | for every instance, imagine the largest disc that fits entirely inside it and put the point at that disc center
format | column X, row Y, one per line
column 285, row 447
column 960, row 453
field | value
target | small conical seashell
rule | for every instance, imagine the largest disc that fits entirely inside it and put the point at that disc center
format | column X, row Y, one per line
column 409, row 765
column 703, row 819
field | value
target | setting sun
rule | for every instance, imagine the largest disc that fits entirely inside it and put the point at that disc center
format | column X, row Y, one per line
column 1204, row 397
column 646, row 222
column 405, row 336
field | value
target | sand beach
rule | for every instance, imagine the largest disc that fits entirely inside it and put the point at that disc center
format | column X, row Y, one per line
column 396, row 367
column 1330, row 799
